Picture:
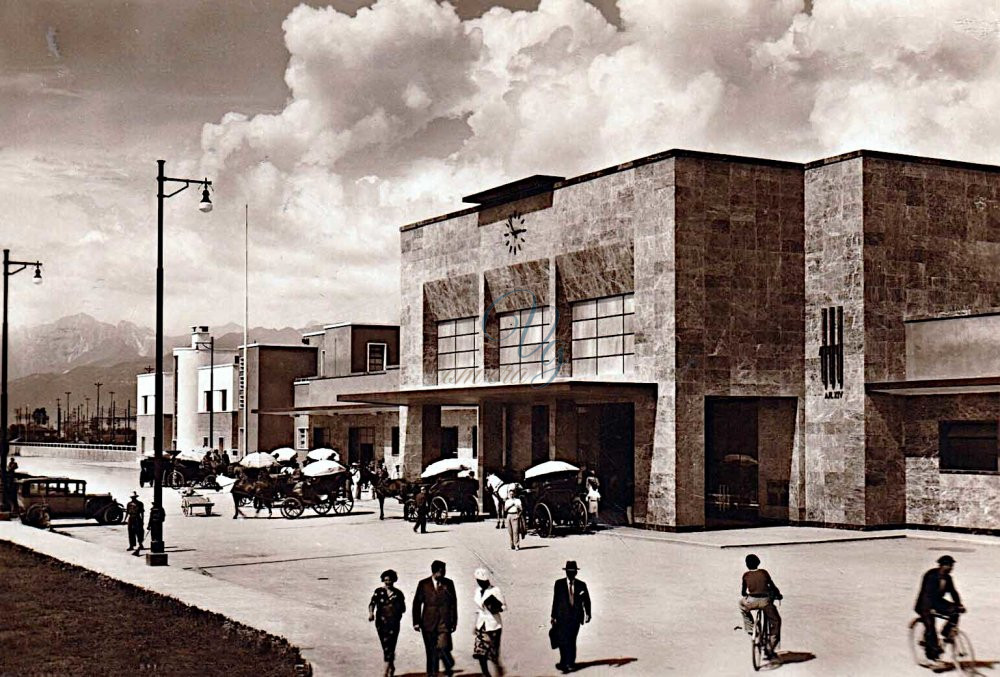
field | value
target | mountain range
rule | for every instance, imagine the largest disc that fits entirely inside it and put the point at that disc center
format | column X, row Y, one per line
column 75, row 352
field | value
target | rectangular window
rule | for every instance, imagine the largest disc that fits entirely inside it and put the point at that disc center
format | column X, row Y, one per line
column 395, row 440
column 142, row 448
column 303, row 438
column 475, row 441
column 604, row 336
column 222, row 400
column 458, row 351
column 449, row 442
column 204, row 441
column 207, row 400
column 968, row 445
column 145, row 404
column 526, row 351
column 376, row 357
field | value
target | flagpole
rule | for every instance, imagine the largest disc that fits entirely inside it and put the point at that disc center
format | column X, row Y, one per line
column 246, row 328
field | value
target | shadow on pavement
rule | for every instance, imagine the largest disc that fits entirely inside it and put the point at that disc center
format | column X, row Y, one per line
column 610, row 662
column 533, row 547
column 794, row 657
column 456, row 671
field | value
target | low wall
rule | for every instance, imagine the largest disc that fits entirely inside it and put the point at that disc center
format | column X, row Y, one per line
column 954, row 500
column 88, row 452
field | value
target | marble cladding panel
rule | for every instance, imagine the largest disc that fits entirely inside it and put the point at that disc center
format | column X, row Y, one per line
column 835, row 457
column 885, row 467
column 616, row 263
column 931, row 247
column 933, row 498
column 504, row 285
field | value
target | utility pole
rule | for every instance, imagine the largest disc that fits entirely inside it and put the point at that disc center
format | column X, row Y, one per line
column 112, row 418
column 99, row 436
column 58, row 418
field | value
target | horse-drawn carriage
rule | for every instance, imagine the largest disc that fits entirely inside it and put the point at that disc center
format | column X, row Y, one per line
column 451, row 488
column 323, row 485
column 180, row 469
column 553, row 498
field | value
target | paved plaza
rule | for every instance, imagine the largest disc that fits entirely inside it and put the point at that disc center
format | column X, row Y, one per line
column 663, row 603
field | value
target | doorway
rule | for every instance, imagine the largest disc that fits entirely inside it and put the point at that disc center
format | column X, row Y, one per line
column 361, row 445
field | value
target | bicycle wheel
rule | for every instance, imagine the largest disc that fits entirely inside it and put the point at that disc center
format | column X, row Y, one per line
column 757, row 641
column 962, row 655
column 916, row 629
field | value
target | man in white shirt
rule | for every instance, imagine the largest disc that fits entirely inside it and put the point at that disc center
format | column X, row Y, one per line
column 513, row 509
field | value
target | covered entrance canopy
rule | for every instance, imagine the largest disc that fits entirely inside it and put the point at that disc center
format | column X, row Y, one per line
column 581, row 392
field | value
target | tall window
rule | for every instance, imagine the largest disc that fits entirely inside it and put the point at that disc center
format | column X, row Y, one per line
column 395, row 440
column 604, row 336
column 968, row 445
column 376, row 357
column 458, row 346
column 303, row 438
column 222, row 399
column 523, row 351
column 145, row 404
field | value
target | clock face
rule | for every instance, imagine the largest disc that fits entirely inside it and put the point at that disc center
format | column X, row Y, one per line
column 513, row 236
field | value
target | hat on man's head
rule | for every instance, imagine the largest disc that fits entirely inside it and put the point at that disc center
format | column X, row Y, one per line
column 482, row 574
column 135, row 494
column 571, row 566
column 946, row 559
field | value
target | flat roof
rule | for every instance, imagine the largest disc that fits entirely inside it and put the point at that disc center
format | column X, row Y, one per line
column 473, row 395
column 943, row 386
column 723, row 157
column 515, row 190
column 337, row 325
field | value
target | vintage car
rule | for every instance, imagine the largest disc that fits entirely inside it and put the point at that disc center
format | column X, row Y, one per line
column 41, row 498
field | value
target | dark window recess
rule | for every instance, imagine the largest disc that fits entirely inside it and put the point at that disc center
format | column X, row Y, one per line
column 777, row 493
column 475, row 441
column 449, row 442
column 968, row 445
column 395, row 440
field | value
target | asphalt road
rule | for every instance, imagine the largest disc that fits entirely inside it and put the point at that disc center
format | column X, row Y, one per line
column 659, row 607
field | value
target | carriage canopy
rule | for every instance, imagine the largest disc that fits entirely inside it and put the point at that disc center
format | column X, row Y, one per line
column 283, row 454
column 323, row 454
column 258, row 459
column 190, row 455
column 447, row 465
column 323, row 468
column 549, row 468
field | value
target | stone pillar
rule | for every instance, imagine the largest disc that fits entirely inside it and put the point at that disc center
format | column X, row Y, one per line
column 519, row 428
column 562, row 431
column 419, row 438
column 490, row 431
column 645, row 429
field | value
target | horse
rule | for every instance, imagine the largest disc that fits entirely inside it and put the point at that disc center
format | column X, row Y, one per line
column 387, row 488
column 263, row 494
column 500, row 491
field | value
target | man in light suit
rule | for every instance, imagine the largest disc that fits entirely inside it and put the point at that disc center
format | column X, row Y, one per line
column 435, row 615
column 570, row 610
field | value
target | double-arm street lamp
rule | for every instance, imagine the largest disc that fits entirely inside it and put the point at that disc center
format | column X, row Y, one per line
column 157, row 557
column 210, row 344
column 9, row 268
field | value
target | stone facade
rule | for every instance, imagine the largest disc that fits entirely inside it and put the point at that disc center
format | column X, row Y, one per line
column 732, row 262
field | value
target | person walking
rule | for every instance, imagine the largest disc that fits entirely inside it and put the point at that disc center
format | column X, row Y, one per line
column 241, row 490
column 420, row 503
column 489, row 626
column 386, row 608
column 134, row 515
column 593, row 500
column 435, row 616
column 513, row 510
column 570, row 610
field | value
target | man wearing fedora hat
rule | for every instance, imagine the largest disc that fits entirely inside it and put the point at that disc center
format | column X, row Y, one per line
column 935, row 584
column 570, row 610
column 134, row 513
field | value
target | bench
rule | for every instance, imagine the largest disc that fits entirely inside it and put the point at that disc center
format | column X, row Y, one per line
column 190, row 503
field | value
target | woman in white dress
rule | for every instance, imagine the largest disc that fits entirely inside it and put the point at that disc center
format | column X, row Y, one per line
column 489, row 604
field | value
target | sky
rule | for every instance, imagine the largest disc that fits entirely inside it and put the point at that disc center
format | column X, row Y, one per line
column 337, row 124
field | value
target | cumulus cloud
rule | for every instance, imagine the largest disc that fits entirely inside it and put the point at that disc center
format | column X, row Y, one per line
column 396, row 112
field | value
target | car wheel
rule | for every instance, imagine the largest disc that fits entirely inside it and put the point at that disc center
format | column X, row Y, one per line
column 36, row 516
column 113, row 514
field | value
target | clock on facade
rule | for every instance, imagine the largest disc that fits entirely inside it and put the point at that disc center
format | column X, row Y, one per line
column 514, row 235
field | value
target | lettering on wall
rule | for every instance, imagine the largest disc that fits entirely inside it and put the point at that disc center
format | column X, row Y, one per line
column 831, row 352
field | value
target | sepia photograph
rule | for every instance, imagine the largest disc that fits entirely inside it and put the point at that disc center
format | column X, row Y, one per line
column 512, row 338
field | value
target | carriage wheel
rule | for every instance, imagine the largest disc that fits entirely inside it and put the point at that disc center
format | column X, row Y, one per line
column 208, row 482
column 291, row 507
column 581, row 519
column 542, row 518
column 322, row 505
column 343, row 503
column 36, row 516
column 410, row 510
column 470, row 509
column 242, row 500
column 176, row 479
column 439, row 510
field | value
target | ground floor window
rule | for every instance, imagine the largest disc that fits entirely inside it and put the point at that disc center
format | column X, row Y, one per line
column 303, row 438
column 449, row 442
column 968, row 445
column 395, row 440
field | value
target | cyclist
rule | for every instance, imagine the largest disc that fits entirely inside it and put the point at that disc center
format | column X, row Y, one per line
column 935, row 584
column 758, row 591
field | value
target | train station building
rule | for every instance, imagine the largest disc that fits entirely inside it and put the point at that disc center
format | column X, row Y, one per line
column 723, row 340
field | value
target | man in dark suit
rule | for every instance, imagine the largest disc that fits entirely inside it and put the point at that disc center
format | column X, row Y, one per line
column 435, row 615
column 420, row 503
column 570, row 610
column 935, row 584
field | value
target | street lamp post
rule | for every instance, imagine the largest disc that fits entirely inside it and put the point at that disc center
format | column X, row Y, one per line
column 9, row 268
column 211, row 387
column 157, row 556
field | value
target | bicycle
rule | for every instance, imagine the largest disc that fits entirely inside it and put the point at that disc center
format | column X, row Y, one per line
column 759, row 639
column 959, row 648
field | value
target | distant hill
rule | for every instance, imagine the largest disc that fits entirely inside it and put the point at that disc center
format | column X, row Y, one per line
column 73, row 353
